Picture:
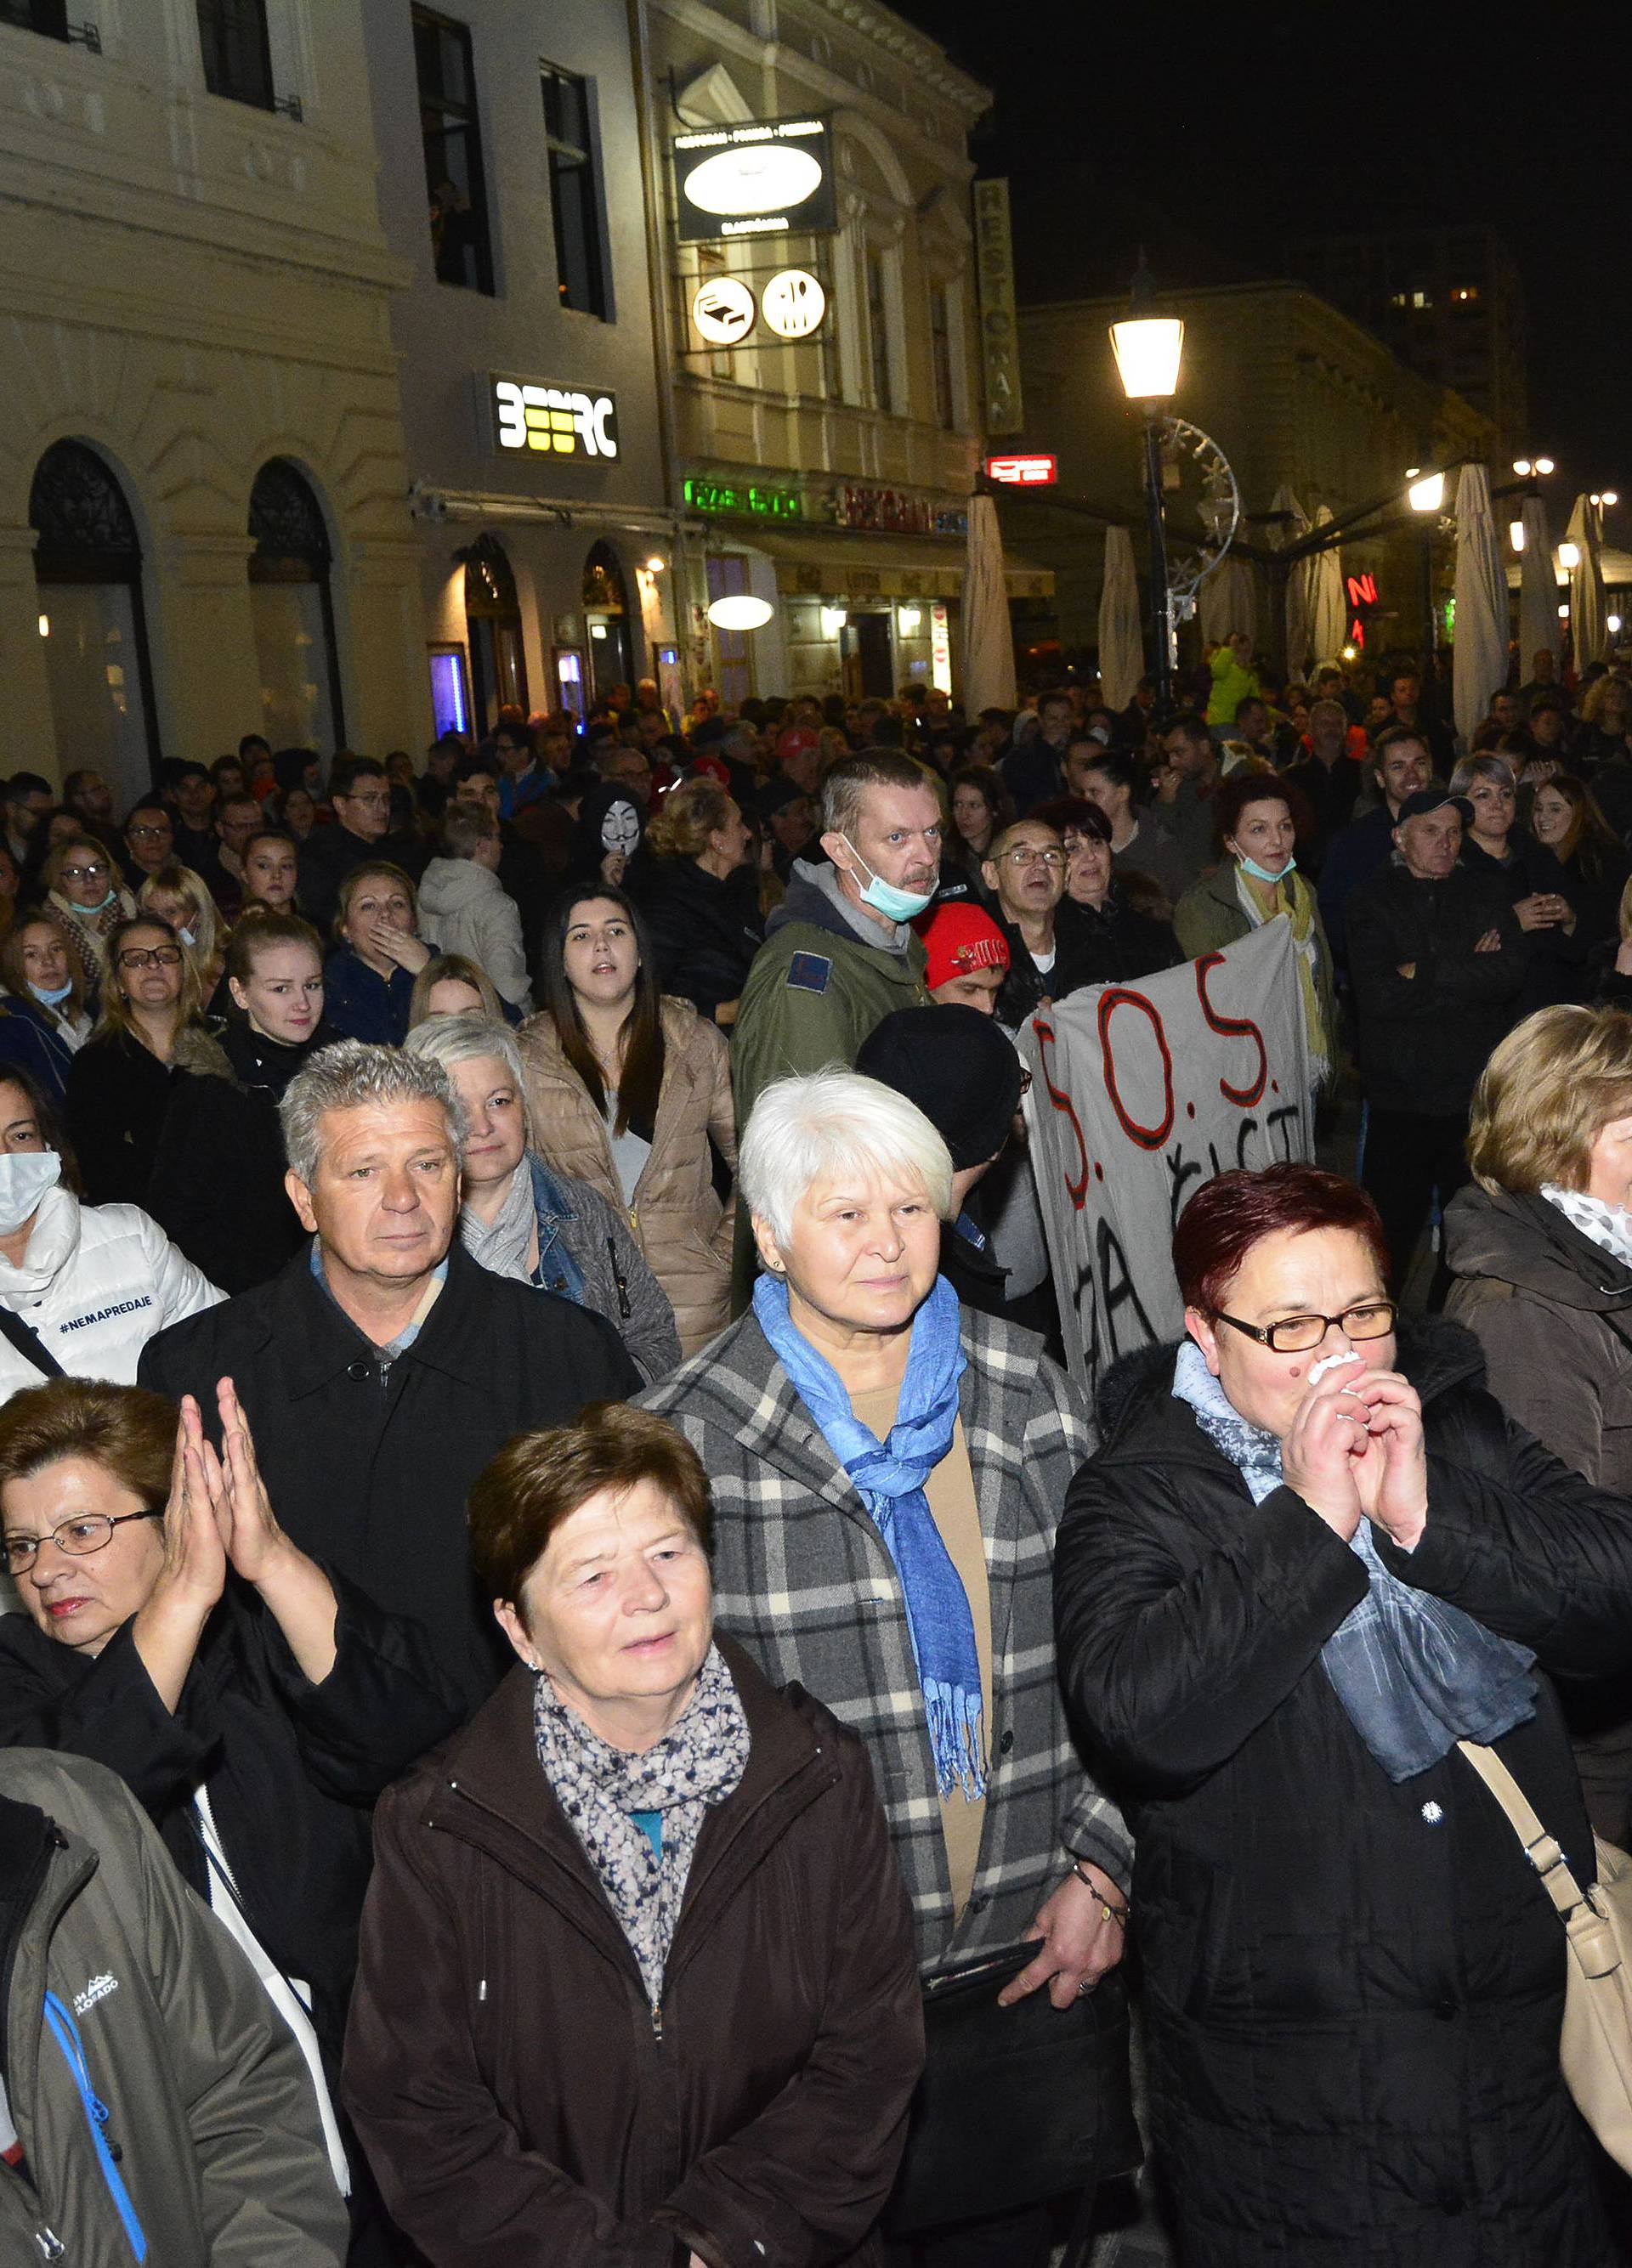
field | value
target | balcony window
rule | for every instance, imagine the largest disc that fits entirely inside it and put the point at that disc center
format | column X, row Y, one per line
column 878, row 331
column 940, row 356
column 238, row 60
column 449, row 129
column 574, row 190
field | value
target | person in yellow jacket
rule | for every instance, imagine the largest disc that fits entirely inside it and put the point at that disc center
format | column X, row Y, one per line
column 1234, row 678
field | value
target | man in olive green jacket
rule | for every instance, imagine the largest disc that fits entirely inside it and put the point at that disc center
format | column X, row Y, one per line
column 839, row 953
column 153, row 2103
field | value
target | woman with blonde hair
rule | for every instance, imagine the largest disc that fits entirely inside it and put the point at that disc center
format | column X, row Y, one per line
column 181, row 897
column 695, row 884
column 43, row 1021
column 1540, row 1247
column 450, row 984
column 84, row 897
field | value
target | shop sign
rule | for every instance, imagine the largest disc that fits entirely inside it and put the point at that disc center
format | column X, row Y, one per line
column 794, row 303
column 939, row 647
column 553, row 420
column 717, row 499
column 892, row 512
column 758, row 179
column 1023, row 472
column 722, row 311
column 1000, row 336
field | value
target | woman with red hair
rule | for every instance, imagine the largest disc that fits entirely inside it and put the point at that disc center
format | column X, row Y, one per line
column 1309, row 1556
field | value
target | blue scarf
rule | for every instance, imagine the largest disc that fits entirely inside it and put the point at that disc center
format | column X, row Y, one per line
column 1414, row 1675
column 889, row 1479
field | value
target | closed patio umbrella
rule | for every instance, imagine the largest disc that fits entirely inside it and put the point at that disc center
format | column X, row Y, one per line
column 1328, row 622
column 1538, row 589
column 1294, row 523
column 1121, row 645
column 1589, row 624
column 988, row 641
column 1480, row 661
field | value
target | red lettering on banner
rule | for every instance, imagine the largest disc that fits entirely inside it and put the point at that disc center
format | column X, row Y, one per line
column 1077, row 1191
column 1148, row 1137
column 1232, row 1027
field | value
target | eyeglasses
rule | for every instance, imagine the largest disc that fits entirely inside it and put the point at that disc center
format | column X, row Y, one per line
column 83, row 874
column 1303, row 1334
column 376, row 799
column 158, row 956
column 78, row 1538
column 1027, row 855
column 164, row 830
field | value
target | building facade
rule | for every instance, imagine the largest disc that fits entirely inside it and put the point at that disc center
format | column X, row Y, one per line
column 201, row 467
column 826, row 383
column 511, row 189
column 1299, row 398
column 1448, row 301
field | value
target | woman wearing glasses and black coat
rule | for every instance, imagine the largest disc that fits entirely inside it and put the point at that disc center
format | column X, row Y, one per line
column 253, row 1703
column 1308, row 1557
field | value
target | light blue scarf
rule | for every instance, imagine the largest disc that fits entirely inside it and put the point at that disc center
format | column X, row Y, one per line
column 890, row 1477
column 1414, row 1675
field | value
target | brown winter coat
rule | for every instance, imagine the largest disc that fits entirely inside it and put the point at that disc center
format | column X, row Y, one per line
column 521, row 2102
column 676, row 1216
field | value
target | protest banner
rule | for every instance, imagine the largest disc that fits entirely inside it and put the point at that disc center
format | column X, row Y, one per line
column 1140, row 1093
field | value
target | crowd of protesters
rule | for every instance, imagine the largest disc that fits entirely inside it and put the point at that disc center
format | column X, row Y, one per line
column 539, row 1479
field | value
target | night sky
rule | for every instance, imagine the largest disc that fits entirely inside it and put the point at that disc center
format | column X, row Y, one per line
column 1214, row 132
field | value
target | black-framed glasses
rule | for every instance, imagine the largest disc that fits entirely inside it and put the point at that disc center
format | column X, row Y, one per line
column 78, row 1537
column 85, row 874
column 1373, row 1319
column 157, row 956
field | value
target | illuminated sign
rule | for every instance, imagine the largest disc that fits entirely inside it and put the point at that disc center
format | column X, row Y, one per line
column 939, row 647
column 553, row 421
column 1000, row 330
column 1023, row 472
column 1362, row 591
column 794, row 303
column 714, row 497
column 722, row 311
column 760, row 179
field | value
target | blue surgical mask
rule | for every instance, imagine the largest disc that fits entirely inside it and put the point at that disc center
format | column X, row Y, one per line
column 1262, row 874
column 188, row 937
column 884, row 898
column 50, row 999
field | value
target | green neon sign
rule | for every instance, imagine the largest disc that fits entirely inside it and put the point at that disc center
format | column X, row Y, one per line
column 719, row 498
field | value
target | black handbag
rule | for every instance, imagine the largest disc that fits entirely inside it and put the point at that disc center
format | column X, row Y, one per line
column 1017, row 2106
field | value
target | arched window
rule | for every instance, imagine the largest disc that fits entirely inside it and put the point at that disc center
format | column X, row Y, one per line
column 292, row 612
column 88, row 566
column 606, row 612
column 493, row 621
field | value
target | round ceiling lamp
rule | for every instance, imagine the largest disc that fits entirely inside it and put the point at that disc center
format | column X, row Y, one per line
column 763, row 178
column 741, row 611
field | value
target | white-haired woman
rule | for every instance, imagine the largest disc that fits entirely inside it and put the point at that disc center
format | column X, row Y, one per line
column 888, row 1471
column 523, row 1220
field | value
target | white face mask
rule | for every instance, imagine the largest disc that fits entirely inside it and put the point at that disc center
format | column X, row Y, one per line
column 25, row 1177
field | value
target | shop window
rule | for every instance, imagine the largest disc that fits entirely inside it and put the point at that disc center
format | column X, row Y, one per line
column 878, row 331
column 88, row 568
column 734, row 670
column 451, row 133
column 291, row 610
column 450, row 692
column 574, row 190
column 493, row 622
column 237, row 60
column 606, row 611
column 48, row 16
column 941, row 354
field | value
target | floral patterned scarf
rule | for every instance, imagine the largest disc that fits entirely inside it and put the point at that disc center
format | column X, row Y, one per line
column 695, row 1765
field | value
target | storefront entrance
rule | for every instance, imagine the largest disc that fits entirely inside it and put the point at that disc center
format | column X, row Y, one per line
column 606, row 612
column 493, row 620
column 866, row 658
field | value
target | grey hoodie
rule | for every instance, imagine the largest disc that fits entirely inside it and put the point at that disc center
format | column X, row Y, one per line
column 463, row 908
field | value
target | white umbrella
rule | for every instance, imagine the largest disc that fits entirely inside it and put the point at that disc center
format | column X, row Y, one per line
column 1588, row 627
column 1538, row 589
column 1480, row 656
column 1122, row 641
column 1294, row 524
column 988, row 641
column 1328, row 622
column 1228, row 601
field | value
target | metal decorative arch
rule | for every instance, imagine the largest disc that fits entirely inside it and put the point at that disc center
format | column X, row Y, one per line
column 286, row 519
column 1219, row 510
column 81, row 517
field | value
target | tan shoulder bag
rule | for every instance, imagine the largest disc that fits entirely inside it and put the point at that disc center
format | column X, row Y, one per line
column 1595, row 2050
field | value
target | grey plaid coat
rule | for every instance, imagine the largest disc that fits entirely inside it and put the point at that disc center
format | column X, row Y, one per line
column 804, row 1580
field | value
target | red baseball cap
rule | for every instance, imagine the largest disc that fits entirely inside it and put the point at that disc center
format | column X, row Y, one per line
column 958, row 938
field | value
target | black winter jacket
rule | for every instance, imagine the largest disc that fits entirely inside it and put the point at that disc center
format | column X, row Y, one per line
column 703, row 931
column 369, row 1468
column 292, row 1768
column 1354, row 1987
column 1425, row 1038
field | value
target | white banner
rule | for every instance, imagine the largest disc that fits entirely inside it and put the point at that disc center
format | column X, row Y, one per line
column 1140, row 1093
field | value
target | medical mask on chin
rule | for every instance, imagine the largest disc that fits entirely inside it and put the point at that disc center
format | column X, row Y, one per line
column 53, row 997
column 25, row 1177
column 188, row 937
column 884, row 898
column 1262, row 874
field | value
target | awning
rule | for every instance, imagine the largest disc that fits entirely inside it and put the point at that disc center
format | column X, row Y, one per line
column 826, row 562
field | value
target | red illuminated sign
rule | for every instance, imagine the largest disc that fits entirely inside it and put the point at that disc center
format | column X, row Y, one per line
column 1023, row 472
column 1363, row 589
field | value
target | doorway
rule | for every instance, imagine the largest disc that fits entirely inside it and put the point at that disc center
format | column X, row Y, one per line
column 866, row 658
column 606, row 612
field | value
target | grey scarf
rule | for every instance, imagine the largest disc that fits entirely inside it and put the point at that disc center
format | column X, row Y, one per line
column 1414, row 1675
column 503, row 1244
column 695, row 1765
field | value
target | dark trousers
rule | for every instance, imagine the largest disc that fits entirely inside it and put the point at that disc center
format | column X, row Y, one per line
column 1019, row 2240
column 1410, row 1155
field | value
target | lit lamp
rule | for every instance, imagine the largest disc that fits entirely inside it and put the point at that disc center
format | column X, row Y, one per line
column 1612, row 496
column 1614, row 625
column 1543, row 464
column 740, row 611
column 1148, row 348
column 833, row 620
column 1427, row 491
column 1569, row 557
column 1515, row 533
column 655, row 565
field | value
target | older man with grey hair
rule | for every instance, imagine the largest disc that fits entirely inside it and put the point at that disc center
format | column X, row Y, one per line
column 382, row 1368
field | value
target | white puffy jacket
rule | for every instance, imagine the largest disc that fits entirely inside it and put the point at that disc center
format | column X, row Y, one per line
column 464, row 907
column 96, row 1283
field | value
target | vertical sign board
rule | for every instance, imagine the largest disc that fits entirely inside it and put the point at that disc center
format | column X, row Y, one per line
column 939, row 646
column 999, row 339
column 1140, row 1093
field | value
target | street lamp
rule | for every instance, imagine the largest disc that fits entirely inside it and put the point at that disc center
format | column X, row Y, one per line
column 1148, row 348
column 1427, row 491
column 1569, row 557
